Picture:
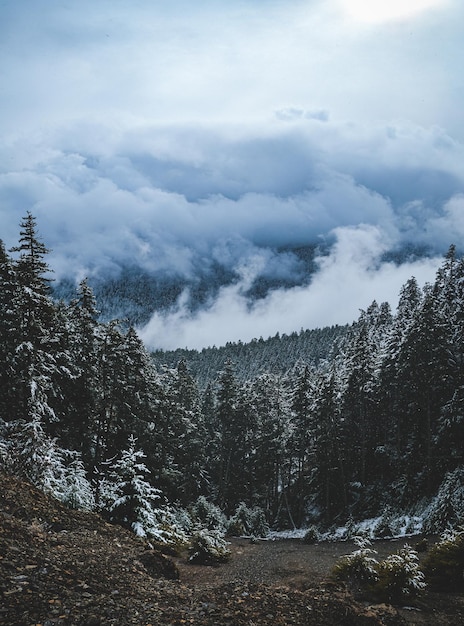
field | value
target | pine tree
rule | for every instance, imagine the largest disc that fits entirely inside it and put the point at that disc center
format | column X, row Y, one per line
column 358, row 404
column 423, row 372
column 268, row 442
column 79, row 428
column 34, row 362
column 31, row 268
column 33, row 455
column 9, row 334
column 232, row 418
column 330, row 485
column 134, row 505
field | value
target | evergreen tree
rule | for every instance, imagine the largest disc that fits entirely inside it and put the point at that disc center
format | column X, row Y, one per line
column 134, row 504
column 80, row 426
column 358, row 405
column 302, row 441
column 34, row 362
column 9, row 333
column 268, row 444
column 423, row 373
column 232, row 420
column 31, row 268
column 330, row 485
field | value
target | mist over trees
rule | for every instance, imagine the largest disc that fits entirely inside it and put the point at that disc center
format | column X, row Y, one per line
column 347, row 424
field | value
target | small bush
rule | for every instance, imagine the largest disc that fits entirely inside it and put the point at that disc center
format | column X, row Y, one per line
column 259, row 525
column 208, row 515
column 240, row 522
column 246, row 521
column 235, row 528
column 208, row 547
column 395, row 578
column 311, row 536
column 384, row 527
column 444, row 564
column 359, row 566
column 399, row 576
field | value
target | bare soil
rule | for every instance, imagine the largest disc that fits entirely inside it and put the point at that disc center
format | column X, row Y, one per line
column 67, row 568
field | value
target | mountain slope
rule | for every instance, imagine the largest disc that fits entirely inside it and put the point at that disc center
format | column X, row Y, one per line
column 62, row 567
column 276, row 354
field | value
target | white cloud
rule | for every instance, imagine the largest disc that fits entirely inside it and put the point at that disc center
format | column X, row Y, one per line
column 179, row 196
column 348, row 280
column 178, row 135
column 377, row 11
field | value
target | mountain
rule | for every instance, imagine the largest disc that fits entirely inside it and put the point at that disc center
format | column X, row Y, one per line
column 277, row 354
column 133, row 294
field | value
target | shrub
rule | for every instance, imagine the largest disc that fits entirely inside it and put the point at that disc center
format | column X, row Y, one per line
column 395, row 578
column 444, row 564
column 359, row 566
column 399, row 576
column 208, row 547
column 246, row 521
column 208, row 515
column 384, row 527
column 259, row 525
column 235, row 528
column 165, row 530
column 240, row 522
column 311, row 536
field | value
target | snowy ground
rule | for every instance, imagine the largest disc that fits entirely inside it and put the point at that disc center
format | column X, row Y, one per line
column 373, row 528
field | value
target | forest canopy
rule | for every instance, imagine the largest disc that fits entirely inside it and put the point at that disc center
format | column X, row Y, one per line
column 372, row 426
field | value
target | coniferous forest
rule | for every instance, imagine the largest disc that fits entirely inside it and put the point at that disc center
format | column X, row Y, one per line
column 373, row 426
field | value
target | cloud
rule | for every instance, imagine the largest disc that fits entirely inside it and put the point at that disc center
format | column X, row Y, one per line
column 220, row 62
column 180, row 198
column 350, row 278
column 388, row 10
column 180, row 137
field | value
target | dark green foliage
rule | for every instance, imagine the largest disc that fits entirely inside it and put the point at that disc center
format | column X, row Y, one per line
column 208, row 547
column 399, row 577
column 246, row 521
column 395, row 579
column 208, row 515
column 316, row 427
column 311, row 536
column 447, row 508
column 274, row 355
column 359, row 567
column 384, row 527
column 444, row 564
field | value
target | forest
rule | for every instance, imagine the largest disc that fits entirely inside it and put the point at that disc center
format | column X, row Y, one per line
column 371, row 426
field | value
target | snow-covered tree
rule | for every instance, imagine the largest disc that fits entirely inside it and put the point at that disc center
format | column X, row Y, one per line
column 135, row 499
column 76, row 490
column 33, row 455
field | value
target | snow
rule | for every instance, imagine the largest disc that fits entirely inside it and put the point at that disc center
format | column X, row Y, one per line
column 402, row 526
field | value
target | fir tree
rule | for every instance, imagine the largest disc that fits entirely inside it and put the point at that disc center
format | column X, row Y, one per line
column 134, row 505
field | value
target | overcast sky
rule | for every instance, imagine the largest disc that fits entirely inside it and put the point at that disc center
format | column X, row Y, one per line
column 171, row 134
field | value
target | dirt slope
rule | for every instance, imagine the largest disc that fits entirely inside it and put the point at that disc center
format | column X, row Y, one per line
column 61, row 567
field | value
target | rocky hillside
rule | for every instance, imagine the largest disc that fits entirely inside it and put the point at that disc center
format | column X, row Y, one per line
column 63, row 567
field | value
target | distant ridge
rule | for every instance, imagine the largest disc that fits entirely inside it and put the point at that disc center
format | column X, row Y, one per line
column 276, row 354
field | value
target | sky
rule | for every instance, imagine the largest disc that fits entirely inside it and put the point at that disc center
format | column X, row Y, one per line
column 175, row 135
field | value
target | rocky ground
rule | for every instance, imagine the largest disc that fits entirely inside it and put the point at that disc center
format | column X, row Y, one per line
column 62, row 567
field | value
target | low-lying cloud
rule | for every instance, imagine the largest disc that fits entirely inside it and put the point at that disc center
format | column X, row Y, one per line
column 350, row 278
column 181, row 203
